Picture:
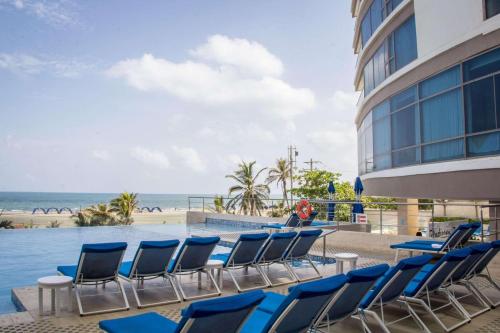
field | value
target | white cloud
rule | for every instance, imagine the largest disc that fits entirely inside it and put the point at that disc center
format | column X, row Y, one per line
column 344, row 101
column 54, row 12
column 101, row 154
column 151, row 157
column 33, row 65
column 190, row 158
column 215, row 87
column 255, row 132
column 248, row 56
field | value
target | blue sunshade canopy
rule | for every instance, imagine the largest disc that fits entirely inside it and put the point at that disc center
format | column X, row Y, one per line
column 358, row 186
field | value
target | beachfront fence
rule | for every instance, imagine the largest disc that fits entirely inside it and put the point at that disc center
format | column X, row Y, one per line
column 433, row 219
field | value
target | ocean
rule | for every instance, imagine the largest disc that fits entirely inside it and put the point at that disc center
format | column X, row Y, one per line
column 27, row 201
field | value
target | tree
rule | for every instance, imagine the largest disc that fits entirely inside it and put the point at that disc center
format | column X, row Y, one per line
column 219, row 204
column 250, row 195
column 124, row 206
column 280, row 174
column 100, row 214
column 313, row 184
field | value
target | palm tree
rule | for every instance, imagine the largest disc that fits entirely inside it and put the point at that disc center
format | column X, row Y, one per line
column 124, row 206
column 100, row 214
column 219, row 204
column 81, row 219
column 250, row 195
column 280, row 174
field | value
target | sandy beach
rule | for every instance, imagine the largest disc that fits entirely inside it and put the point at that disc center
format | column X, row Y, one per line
column 40, row 220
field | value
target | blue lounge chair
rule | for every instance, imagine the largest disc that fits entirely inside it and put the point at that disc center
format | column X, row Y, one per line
column 309, row 221
column 429, row 282
column 225, row 314
column 150, row 262
column 296, row 312
column 431, row 246
column 192, row 258
column 480, row 271
column 273, row 252
column 292, row 222
column 459, row 278
column 242, row 256
column 347, row 300
column 98, row 264
column 299, row 251
column 388, row 289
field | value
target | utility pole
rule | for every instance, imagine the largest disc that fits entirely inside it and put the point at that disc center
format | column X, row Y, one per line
column 292, row 158
column 311, row 164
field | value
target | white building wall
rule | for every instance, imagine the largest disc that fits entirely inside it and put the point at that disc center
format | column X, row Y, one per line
column 442, row 24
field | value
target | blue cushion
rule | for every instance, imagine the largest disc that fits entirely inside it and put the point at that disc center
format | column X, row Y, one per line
column 221, row 256
column 257, row 322
column 254, row 237
column 146, row 322
column 271, row 302
column 273, row 226
column 310, row 233
column 367, row 274
column 159, row 244
column 125, row 268
column 104, row 247
column 68, row 270
column 416, row 246
column 495, row 244
column 283, row 235
column 201, row 241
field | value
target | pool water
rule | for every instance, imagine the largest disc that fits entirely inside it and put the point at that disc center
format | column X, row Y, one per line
column 28, row 254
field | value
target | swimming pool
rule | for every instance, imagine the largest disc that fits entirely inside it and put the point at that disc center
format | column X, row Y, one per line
column 28, row 254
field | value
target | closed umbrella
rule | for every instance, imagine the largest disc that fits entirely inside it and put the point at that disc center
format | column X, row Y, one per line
column 358, row 188
column 330, row 211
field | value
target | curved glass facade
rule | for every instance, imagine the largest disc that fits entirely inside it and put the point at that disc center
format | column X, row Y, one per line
column 374, row 16
column 454, row 114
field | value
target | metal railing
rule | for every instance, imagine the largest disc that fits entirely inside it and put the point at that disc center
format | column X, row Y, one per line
column 433, row 219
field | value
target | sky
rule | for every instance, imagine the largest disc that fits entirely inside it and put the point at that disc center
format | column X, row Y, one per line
column 169, row 96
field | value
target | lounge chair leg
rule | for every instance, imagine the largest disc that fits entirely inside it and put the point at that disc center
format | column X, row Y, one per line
column 416, row 318
column 142, row 305
column 264, row 275
column 239, row 288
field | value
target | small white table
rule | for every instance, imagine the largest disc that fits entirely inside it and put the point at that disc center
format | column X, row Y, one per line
column 55, row 284
column 213, row 265
column 352, row 258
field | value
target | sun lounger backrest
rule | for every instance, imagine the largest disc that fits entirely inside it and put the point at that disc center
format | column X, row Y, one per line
column 476, row 253
column 456, row 237
column 303, row 304
column 293, row 221
column 474, row 226
column 152, row 257
column 394, row 281
column 441, row 271
column 485, row 260
column 100, row 261
column 359, row 282
column 303, row 243
column 275, row 247
column 194, row 253
column 246, row 249
column 309, row 220
column 225, row 314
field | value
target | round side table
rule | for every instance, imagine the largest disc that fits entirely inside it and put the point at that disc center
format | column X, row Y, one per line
column 352, row 258
column 55, row 284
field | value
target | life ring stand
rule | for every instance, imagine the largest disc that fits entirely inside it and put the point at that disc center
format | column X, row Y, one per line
column 303, row 209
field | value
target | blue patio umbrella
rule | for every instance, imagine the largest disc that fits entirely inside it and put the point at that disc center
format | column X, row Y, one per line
column 358, row 188
column 357, row 208
column 330, row 210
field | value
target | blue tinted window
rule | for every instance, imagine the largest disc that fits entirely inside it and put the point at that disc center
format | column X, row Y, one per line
column 404, row 128
column 381, row 110
column 382, row 136
column 492, row 8
column 379, row 65
column 486, row 144
column 404, row 98
column 441, row 151
column 480, row 106
column 368, row 77
column 447, row 79
column 381, row 162
column 366, row 31
column 405, row 43
column 497, row 94
column 391, row 5
column 442, row 116
column 376, row 14
column 405, row 157
column 483, row 65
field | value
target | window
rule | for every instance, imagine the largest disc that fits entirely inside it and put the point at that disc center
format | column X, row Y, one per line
column 441, row 151
column 375, row 15
column 404, row 98
column 404, row 128
column 376, row 12
column 366, row 29
column 492, row 7
column 381, row 110
column 447, row 79
column 379, row 65
column 390, row 5
column 497, row 96
column 442, row 116
column 485, row 64
column 479, row 105
column 405, row 157
column 405, row 42
column 486, row 144
column 368, row 77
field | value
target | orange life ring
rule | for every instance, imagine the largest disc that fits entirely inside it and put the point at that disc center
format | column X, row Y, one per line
column 303, row 209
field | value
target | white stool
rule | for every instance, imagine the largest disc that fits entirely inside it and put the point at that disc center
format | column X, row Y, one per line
column 352, row 258
column 213, row 265
column 55, row 284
